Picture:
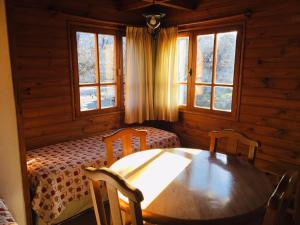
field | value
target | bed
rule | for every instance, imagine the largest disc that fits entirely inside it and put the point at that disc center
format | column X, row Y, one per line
column 58, row 186
column 5, row 216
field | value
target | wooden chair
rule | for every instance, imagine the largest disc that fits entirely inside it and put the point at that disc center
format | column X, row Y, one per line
column 113, row 184
column 231, row 144
column 275, row 173
column 281, row 199
column 125, row 135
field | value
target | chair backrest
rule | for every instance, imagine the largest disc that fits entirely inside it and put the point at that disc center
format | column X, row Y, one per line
column 232, row 140
column 113, row 183
column 126, row 136
column 281, row 199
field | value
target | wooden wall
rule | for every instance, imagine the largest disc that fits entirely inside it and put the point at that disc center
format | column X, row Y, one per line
column 39, row 45
column 270, row 106
column 270, row 97
column 270, row 101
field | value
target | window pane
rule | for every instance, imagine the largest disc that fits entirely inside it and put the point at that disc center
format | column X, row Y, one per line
column 86, row 52
column 205, row 56
column 124, row 57
column 108, row 96
column 183, row 51
column 88, row 98
column 202, row 96
column 106, row 57
column 182, row 94
column 223, row 98
column 226, row 44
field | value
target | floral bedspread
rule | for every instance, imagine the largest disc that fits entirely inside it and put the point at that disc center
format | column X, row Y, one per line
column 5, row 216
column 56, row 171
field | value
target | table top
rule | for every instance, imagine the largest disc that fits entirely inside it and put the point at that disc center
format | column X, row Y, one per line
column 190, row 186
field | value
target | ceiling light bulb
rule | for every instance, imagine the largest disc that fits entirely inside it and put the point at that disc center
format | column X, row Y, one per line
column 152, row 20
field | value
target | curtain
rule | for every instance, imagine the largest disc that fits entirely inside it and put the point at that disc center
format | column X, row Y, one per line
column 165, row 92
column 139, row 76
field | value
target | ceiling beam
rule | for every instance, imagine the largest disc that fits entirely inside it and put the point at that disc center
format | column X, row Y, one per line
column 182, row 5
column 156, row 1
column 134, row 5
column 176, row 4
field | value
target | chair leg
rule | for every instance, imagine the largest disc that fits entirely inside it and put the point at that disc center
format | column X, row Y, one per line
column 126, row 218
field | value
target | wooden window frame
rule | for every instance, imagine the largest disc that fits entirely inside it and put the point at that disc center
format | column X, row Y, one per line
column 91, row 28
column 189, row 35
column 214, row 28
column 123, row 34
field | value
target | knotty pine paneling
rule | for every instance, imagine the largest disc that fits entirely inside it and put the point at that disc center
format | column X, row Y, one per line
column 270, row 107
column 269, row 110
column 40, row 49
column 270, row 94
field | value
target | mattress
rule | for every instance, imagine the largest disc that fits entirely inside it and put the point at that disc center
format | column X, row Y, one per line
column 56, row 172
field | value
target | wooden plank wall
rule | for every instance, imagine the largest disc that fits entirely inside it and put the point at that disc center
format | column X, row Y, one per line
column 270, row 106
column 270, row 97
column 41, row 67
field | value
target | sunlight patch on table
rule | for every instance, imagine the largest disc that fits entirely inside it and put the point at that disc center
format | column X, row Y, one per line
column 168, row 166
column 134, row 161
column 189, row 150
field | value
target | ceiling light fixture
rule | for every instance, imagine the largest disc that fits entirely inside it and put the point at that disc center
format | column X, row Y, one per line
column 153, row 19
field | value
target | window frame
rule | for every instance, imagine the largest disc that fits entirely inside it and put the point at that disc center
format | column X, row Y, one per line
column 238, row 26
column 189, row 75
column 118, row 71
column 122, row 81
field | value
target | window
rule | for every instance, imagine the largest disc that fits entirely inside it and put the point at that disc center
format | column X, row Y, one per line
column 124, row 64
column 96, row 68
column 215, row 70
column 183, row 67
column 215, row 56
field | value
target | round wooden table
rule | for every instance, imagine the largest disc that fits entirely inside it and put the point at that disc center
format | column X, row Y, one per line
column 190, row 186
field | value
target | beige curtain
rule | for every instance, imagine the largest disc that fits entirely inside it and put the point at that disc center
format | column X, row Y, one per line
column 139, row 76
column 165, row 92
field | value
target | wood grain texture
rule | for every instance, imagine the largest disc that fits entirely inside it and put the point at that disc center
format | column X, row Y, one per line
column 126, row 136
column 270, row 73
column 200, row 188
column 269, row 108
column 232, row 140
column 281, row 199
column 125, row 5
column 42, row 67
column 114, row 183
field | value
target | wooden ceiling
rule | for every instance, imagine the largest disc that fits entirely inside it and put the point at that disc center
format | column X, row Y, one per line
column 186, row 5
